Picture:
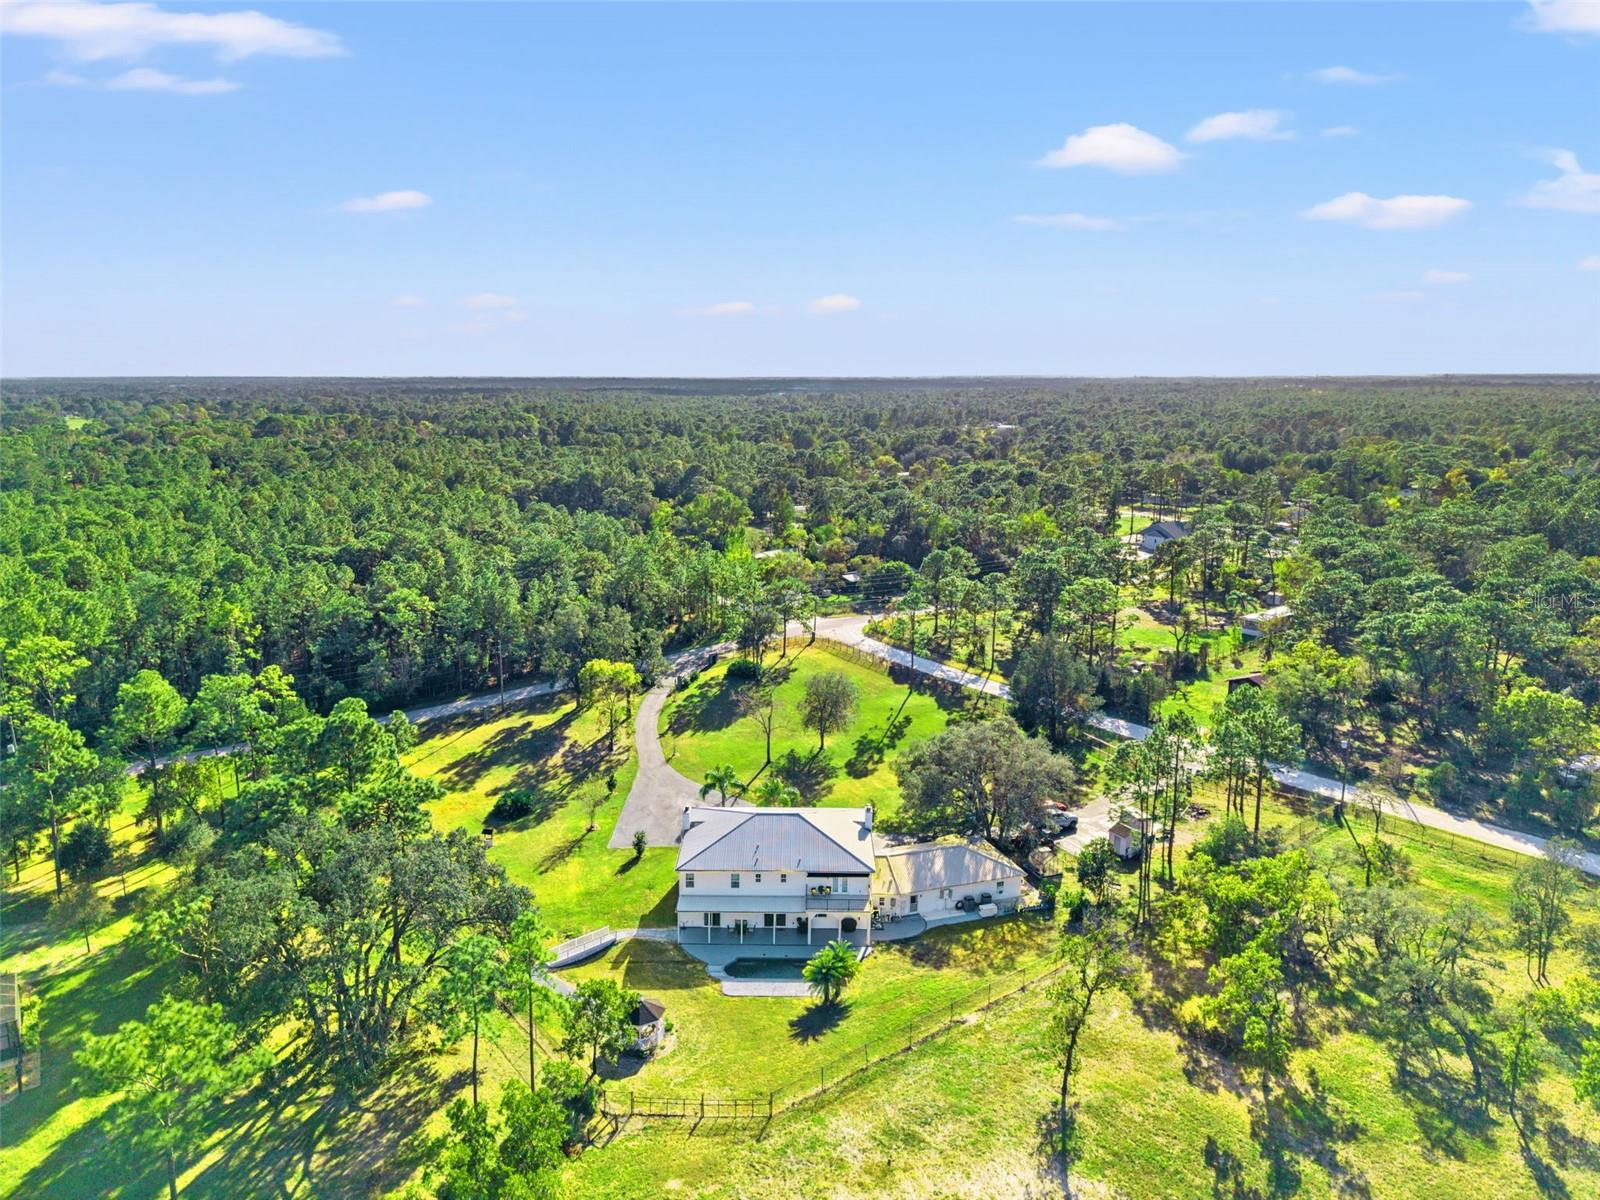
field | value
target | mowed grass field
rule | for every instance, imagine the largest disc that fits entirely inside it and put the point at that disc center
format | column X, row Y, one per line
column 1160, row 1115
column 754, row 1046
column 561, row 752
column 701, row 728
column 966, row 1114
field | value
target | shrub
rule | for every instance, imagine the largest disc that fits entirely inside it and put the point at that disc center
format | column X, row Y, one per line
column 86, row 851
column 515, row 803
column 639, row 843
column 1442, row 782
column 186, row 841
column 741, row 670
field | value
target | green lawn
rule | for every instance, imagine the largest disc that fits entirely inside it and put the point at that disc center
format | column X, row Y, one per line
column 751, row 1046
column 1159, row 1115
column 701, row 729
column 578, row 882
column 968, row 1113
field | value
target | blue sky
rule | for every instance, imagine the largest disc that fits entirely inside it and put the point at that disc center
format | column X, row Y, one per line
column 519, row 189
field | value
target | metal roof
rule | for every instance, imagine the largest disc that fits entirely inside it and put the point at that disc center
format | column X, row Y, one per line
column 819, row 841
column 928, row 867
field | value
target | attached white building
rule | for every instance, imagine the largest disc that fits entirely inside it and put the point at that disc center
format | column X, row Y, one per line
column 933, row 879
column 775, row 875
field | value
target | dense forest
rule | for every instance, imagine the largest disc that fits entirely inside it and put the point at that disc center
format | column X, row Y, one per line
column 401, row 540
column 263, row 565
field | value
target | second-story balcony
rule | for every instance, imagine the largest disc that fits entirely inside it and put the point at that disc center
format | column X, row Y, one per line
column 798, row 903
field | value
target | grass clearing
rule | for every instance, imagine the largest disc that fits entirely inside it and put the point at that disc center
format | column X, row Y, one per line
column 750, row 1046
column 701, row 728
column 559, row 750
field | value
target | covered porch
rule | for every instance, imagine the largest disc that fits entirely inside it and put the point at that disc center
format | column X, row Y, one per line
column 721, row 951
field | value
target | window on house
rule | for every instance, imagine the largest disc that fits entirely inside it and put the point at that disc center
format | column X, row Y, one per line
column 733, row 881
column 783, row 877
column 688, row 879
column 774, row 920
column 1000, row 888
column 712, row 918
column 758, row 876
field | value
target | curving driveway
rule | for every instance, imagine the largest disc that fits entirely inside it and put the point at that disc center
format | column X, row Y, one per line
column 665, row 791
column 659, row 793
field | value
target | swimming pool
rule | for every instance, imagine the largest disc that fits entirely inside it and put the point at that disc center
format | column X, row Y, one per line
column 765, row 968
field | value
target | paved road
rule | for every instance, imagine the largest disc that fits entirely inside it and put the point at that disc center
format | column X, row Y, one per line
column 851, row 631
column 656, row 800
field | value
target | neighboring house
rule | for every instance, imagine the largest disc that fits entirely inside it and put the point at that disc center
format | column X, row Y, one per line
column 1254, row 624
column 1158, row 534
column 649, row 1020
column 795, row 876
column 1580, row 770
column 1252, row 679
column 1127, row 836
column 933, row 879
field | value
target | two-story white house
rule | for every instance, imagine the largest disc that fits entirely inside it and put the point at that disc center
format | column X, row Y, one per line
column 794, row 876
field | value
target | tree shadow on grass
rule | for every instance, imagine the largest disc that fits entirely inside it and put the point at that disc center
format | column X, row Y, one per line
column 559, row 853
column 1308, row 1124
column 811, row 776
column 871, row 748
column 1447, row 1113
column 349, row 1144
column 532, row 752
column 706, row 707
column 818, row 1020
column 1227, row 1173
column 1059, row 1146
column 542, row 804
column 1569, row 1149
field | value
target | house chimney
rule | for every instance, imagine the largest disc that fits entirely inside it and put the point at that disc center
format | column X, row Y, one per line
column 867, row 821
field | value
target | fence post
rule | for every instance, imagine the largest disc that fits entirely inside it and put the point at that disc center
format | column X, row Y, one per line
column 630, row 1104
column 702, row 1106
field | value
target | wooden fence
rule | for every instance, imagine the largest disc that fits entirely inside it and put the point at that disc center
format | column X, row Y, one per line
column 825, row 1076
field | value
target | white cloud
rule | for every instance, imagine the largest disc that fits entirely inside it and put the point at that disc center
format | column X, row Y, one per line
column 56, row 77
column 1069, row 220
column 1123, row 148
column 1574, row 190
column 146, row 79
column 1253, row 124
column 1397, row 212
column 1340, row 131
column 1398, row 297
column 482, row 300
column 90, row 31
column 1351, row 76
column 1563, row 16
column 837, row 303
column 407, row 300
column 516, row 315
column 387, row 202
column 1434, row 275
column 1590, row 263
column 726, row 308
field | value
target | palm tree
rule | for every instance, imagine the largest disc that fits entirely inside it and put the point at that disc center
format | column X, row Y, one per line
column 831, row 969
column 774, row 790
column 720, row 780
